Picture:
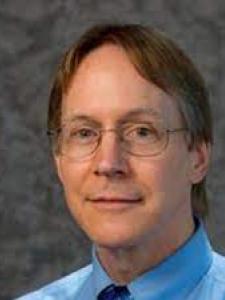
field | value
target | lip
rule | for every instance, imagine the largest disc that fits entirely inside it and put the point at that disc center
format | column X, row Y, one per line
column 114, row 203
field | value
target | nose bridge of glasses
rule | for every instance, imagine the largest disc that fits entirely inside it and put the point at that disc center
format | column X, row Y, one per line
column 110, row 159
column 110, row 140
column 117, row 134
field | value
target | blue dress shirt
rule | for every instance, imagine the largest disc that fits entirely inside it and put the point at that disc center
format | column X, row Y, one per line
column 193, row 272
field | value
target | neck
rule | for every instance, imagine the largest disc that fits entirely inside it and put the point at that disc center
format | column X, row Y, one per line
column 124, row 264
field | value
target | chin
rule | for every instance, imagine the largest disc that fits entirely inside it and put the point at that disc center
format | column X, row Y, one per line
column 114, row 240
column 114, row 245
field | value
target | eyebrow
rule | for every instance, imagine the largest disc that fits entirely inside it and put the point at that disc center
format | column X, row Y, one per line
column 129, row 116
column 143, row 111
column 83, row 118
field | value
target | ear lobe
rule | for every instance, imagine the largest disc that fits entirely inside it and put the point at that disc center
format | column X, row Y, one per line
column 57, row 160
column 200, row 158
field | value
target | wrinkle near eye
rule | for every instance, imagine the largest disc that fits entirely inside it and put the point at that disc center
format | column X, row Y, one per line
column 82, row 120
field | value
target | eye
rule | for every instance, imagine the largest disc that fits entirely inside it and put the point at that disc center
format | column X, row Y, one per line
column 141, row 133
column 84, row 132
column 82, row 135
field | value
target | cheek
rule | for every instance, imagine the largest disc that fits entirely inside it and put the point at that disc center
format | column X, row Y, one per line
column 152, row 172
column 163, row 177
column 73, row 177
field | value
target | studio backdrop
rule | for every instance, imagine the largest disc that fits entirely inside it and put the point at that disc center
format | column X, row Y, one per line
column 39, row 241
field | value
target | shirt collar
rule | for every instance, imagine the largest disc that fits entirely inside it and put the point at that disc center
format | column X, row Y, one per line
column 174, row 278
column 100, row 278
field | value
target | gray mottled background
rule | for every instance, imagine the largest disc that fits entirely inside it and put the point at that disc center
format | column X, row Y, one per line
column 39, row 241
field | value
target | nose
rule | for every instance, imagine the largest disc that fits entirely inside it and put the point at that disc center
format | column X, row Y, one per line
column 111, row 161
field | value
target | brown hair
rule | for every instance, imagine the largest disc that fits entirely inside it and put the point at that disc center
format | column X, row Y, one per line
column 158, row 60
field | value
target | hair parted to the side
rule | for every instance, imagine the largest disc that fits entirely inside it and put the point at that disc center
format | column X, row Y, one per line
column 160, row 61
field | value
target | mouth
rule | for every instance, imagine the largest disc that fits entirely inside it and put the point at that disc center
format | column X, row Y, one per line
column 114, row 203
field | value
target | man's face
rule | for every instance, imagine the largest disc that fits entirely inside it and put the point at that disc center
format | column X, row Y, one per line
column 117, row 198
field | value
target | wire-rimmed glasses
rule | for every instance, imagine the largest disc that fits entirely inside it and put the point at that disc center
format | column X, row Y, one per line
column 141, row 139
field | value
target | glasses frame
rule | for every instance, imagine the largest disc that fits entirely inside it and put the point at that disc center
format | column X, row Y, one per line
column 54, row 133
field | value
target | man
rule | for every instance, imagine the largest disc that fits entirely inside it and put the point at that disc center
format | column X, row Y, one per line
column 130, row 126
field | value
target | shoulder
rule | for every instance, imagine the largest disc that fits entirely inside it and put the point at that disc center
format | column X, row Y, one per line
column 64, row 288
column 212, row 285
column 217, row 271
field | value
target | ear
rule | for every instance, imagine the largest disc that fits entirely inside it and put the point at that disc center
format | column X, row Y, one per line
column 57, row 160
column 199, row 162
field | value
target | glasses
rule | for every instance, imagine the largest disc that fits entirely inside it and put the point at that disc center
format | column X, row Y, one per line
column 78, row 141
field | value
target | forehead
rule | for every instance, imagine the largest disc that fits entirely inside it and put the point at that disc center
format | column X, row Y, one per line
column 107, row 87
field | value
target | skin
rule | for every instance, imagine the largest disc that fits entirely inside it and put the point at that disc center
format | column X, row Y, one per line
column 157, row 219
